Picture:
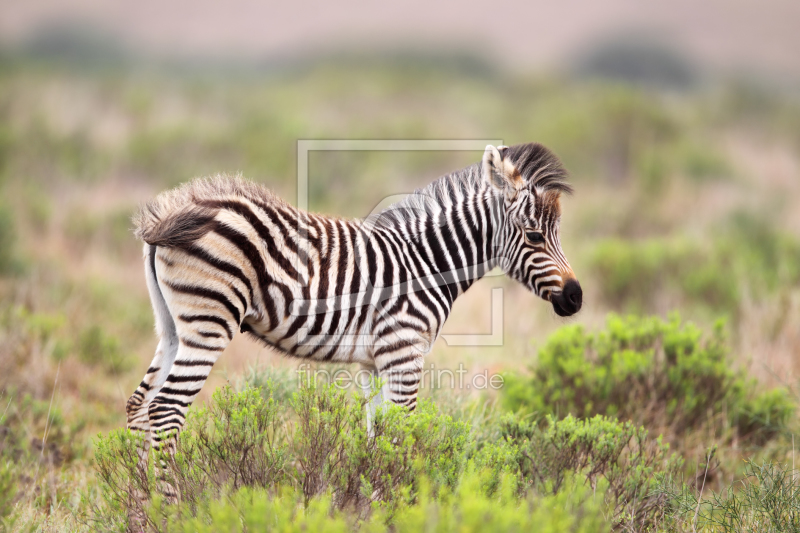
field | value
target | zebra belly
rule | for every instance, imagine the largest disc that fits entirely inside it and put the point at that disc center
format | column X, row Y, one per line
column 319, row 337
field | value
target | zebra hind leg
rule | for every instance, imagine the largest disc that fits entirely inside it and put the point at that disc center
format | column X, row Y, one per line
column 137, row 406
column 138, row 419
column 200, row 344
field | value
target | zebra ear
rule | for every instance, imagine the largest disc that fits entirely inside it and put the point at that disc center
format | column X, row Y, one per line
column 500, row 172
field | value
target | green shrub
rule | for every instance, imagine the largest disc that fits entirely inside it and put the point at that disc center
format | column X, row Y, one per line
column 766, row 499
column 336, row 454
column 239, row 463
column 659, row 373
column 125, row 482
column 622, row 455
column 235, row 441
column 634, row 275
column 249, row 462
column 576, row 509
column 747, row 256
column 240, row 440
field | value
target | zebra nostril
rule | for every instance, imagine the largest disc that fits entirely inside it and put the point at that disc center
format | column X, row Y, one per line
column 573, row 293
column 573, row 298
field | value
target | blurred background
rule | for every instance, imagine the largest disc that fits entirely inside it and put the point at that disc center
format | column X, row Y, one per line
column 679, row 123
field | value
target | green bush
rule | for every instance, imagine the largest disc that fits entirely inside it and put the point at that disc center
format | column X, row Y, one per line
column 634, row 275
column 620, row 454
column 125, row 481
column 235, row 441
column 241, row 440
column 235, row 470
column 659, row 373
column 766, row 499
column 336, row 454
column 240, row 462
column 746, row 257
column 578, row 508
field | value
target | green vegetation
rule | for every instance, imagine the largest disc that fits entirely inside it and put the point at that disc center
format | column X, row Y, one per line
column 659, row 373
column 685, row 201
column 629, row 463
column 245, row 462
column 7, row 240
column 749, row 258
column 767, row 501
column 236, row 456
column 305, row 458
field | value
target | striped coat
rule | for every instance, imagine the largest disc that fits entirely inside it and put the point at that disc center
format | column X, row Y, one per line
column 224, row 255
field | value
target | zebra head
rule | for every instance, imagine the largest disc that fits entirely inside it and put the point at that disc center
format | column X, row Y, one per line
column 530, row 179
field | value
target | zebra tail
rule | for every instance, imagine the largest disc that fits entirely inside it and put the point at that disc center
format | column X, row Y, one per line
column 158, row 225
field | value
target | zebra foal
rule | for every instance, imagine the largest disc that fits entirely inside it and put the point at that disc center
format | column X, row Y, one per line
column 224, row 255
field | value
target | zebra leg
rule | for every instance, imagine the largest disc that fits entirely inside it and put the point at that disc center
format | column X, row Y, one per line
column 368, row 376
column 200, row 345
column 401, row 372
column 138, row 418
column 136, row 407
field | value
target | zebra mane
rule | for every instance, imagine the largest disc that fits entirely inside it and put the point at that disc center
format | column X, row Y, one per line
column 539, row 167
column 432, row 198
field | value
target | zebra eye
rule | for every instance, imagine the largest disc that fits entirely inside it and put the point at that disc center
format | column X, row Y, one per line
column 534, row 237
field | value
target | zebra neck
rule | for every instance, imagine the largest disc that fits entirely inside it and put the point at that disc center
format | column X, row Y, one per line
column 459, row 240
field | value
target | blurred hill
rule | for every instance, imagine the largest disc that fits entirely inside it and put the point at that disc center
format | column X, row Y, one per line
column 719, row 35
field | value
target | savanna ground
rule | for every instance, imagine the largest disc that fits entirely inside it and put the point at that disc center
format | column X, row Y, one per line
column 668, row 403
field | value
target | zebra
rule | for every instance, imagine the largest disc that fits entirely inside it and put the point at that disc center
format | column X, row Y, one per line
column 225, row 255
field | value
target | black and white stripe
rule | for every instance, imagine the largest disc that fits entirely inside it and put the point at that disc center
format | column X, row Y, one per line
column 224, row 255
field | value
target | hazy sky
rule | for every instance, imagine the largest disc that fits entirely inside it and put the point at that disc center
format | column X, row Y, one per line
column 761, row 35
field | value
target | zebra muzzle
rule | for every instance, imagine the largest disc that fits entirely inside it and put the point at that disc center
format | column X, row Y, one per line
column 569, row 300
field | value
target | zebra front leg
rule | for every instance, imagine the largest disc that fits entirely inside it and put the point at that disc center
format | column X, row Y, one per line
column 401, row 372
column 368, row 378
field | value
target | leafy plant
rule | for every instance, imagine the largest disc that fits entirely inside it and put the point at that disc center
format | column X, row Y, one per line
column 337, row 454
column 620, row 454
column 660, row 373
